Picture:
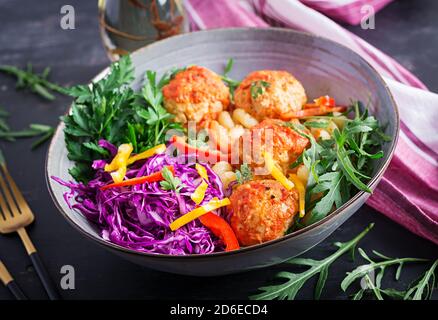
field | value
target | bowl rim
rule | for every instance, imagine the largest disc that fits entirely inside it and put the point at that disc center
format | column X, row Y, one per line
column 371, row 184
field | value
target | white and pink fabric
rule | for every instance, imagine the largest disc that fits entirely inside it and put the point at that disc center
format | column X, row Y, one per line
column 408, row 192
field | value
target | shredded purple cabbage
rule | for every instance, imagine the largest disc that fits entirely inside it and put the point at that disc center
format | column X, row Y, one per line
column 138, row 217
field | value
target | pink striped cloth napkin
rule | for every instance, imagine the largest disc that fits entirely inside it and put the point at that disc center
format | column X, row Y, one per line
column 408, row 192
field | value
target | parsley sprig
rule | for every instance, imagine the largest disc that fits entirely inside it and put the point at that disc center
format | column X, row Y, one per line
column 170, row 182
column 109, row 109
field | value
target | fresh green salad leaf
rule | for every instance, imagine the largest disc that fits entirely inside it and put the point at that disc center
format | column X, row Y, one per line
column 109, row 109
column 295, row 281
column 341, row 165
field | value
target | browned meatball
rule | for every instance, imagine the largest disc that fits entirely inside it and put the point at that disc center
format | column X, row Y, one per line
column 273, row 136
column 270, row 94
column 196, row 94
column 262, row 210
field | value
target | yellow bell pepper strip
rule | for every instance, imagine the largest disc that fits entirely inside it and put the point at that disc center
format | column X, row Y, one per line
column 154, row 177
column 119, row 174
column 202, row 171
column 301, row 193
column 121, row 158
column 119, row 163
column 199, row 193
column 161, row 148
column 276, row 172
column 221, row 229
column 199, row 211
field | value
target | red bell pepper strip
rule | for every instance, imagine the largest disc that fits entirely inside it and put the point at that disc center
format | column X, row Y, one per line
column 319, row 111
column 323, row 101
column 220, row 229
column 203, row 154
column 154, row 177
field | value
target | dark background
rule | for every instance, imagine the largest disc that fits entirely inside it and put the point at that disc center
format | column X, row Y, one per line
column 30, row 32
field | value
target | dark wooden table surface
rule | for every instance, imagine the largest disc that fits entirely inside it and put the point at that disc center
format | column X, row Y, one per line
column 30, row 32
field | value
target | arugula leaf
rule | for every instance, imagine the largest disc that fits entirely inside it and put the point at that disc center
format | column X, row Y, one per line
column 232, row 84
column 36, row 83
column 424, row 287
column 228, row 67
column 170, row 182
column 330, row 183
column 379, row 268
column 295, row 281
column 338, row 166
column 316, row 123
column 244, row 174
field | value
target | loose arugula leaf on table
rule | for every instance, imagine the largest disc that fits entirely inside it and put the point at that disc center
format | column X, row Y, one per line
column 379, row 268
column 109, row 109
column 36, row 83
column 423, row 289
column 295, row 281
column 43, row 131
column 244, row 174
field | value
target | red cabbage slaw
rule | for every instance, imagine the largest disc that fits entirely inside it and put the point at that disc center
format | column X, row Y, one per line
column 138, row 217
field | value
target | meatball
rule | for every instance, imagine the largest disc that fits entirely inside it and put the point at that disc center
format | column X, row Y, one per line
column 196, row 94
column 273, row 136
column 269, row 94
column 262, row 210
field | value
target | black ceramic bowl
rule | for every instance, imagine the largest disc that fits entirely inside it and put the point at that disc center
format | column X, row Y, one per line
column 322, row 66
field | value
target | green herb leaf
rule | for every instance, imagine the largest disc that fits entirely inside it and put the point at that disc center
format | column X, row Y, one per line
column 424, row 287
column 228, row 67
column 232, row 84
column 373, row 266
column 109, row 109
column 170, row 182
column 35, row 83
column 290, row 288
column 244, row 174
column 258, row 88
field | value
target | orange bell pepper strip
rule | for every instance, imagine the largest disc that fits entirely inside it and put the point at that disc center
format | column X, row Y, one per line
column 203, row 154
column 325, row 101
column 220, row 229
column 154, row 177
column 318, row 111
